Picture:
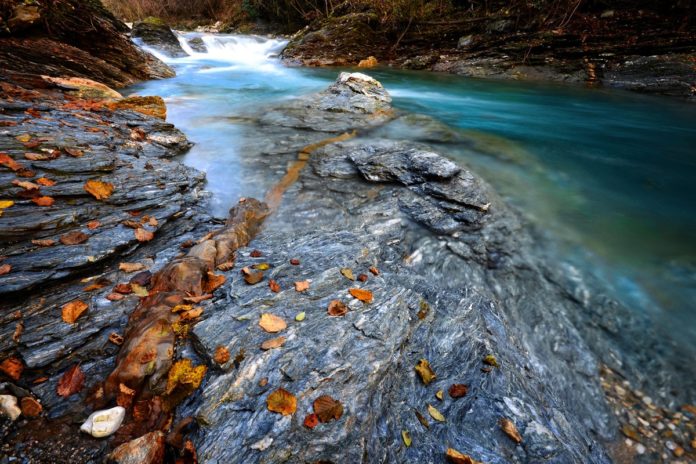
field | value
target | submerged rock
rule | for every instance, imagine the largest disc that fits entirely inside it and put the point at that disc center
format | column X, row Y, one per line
column 157, row 34
column 101, row 424
column 198, row 45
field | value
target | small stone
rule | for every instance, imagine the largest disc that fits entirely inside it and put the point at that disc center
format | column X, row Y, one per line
column 104, row 423
column 647, row 400
column 8, row 405
column 148, row 449
column 678, row 451
column 640, row 449
column 670, row 445
column 262, row 444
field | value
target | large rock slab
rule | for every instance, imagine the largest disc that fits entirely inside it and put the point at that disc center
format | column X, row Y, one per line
column 157, row 34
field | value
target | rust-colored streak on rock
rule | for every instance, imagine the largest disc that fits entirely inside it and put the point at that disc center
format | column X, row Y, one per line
column 148, row 348
column 275, row 195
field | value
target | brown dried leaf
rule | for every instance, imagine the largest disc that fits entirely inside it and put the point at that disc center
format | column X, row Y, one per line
column 458, row 390
column 222, row 355
column 271, row 323
column 455, row 457
column 123, row 289
column 327, row 408
column 143, row 235
column 510, row 430
column 71, row 382
column 91, row 225
column 337, row 308
column 31, row 407
column 45, row 182
column 74, row 152
column 73, row 310
column 74, row 238
column 26, row 185
column 98, row 189
column 43, row 201
column 252, row 277
column 125, row 396
column 116, row 339
column 282, row 401
column 12, row 367
column 295, row 262
column 114, row 297
column 273, row 343
column 10, row 163
column 374, row 270
column 44, row 243
column 363, row 295
column 302, row 286
column 37, row 156
column 311, row 421
column 255, row 254
column 5, row 269
column 274, row 286
column 213, row 282
column 198, row 299
column 425, row 372
column 97, row 285
column 131, row 267
column 362, row 277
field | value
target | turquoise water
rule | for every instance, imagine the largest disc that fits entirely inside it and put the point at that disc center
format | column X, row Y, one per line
column 608, row 176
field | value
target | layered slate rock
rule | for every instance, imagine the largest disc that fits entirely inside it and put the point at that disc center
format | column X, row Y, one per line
column 157, row 34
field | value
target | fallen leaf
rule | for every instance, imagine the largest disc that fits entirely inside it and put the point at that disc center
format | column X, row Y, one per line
column 98, row 189
column 406, row 437
column 425, row 372
column 44, row 242
column 222, row 355
column 97, row 285
column 273, row 343
column 5, row 269
column 31, row 407
column 123, row 289
column 116, row 339
column 435, row 414
column 327, row 408
column 362, row 277
column 282, row 402
column 131, row 223
column 226, row 266
column 440, row 395
column 274, row 286
column 271, row 323
column 295, row 262
column 421, row 418
column 337, row 308
column 213, row 282
column 198, row 299
column 131, row 267
column 12, row 367
column 300, row 316
column 183, row 374
column 261, row 266
column 455, row 457
column 191, row 315
column 26, row 185
column 71, row 382
column 37, row 157
column 510, row 430
column 139, row 290
column 4, row 204
column 255, row 254
column 143, row 235
column 180, row 308
column 114, row 297
column 74, row 152
column 374, row 270
column 125, row 396
column 40, row 380
column 251, row 277
column 491, row 360
column 363, row 295
column 302, row 286
column 91, row 225
column 24, row 172
column 43, row 201
column 74, row 238
column 458, row 390
column 23, row 138
column 153, row 221
column 45, row 182
column 424, row 309
column 311, row 421
column 347, row 273
column 10, row 163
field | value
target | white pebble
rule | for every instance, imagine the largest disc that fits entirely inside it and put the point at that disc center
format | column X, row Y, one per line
column 8, row 404
column 647, row 400
column 104, row 423
column 640, row 449
column 670, row 445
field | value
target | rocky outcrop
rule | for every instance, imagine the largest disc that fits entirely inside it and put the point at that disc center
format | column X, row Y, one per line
column 71, row 39
column 157, row 34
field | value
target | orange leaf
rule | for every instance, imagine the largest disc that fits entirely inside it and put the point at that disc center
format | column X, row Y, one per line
column 190, row 315
column 44, row 243
column 36, row 156
column 143, row 235
column 73, row 310
column 458, row 390
column 510, row 430
column 222, row 355
column 273, row 343
column 363, row 295
column 455, row 457
column 271, row 323
column 131, row 267
column 43, row 201
column 282, row 402
column 31, row 407
column 12, row 367
column 91, row 225
column 274, row 286
column 5, row 160
column 252, row 277
column 74, row 238
column 255, row 254
column 71, row 382
column 337, row 308
column 374, row 270
column 327, row 408
column 302, row 286
column 5, row 269
column 213, row 282
column 45, row 182
column 26, row 185
column 98, row 189
column 311, row 421
column 74, row 152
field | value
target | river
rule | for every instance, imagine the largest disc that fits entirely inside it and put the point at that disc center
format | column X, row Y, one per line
column 605, row 177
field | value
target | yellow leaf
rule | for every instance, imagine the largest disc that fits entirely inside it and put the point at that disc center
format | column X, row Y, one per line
column 282, row 402
column 491, row 361
column 440, row 395
column 425, row 372
column 300, row 317
column 347, row 273
column 435, row 414
column 98, row 189
column 407, row 437
column 73, row 310
column 455, row 457
column 4, row 204
column 261, row 266
column 131, row 267
column 139, row 290
column 184, row 374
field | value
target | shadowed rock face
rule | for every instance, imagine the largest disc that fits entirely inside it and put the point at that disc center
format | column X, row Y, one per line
column 157, row 34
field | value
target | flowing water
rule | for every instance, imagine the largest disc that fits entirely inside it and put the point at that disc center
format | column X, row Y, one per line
column 607, row 175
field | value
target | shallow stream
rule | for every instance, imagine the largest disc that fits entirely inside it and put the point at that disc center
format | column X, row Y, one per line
column 605, row 176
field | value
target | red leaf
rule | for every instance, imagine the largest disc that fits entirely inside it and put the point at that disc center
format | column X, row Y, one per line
column 71, row 382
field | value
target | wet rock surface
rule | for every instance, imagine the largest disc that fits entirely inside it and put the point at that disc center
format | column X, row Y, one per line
column 154, row 32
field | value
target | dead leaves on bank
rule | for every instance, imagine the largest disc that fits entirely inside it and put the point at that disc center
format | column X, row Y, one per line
column 75, row 237
column 273, row 343
column 337, row 308
column 425, row 372
column 508, row 427
column 71, row 382
column 5, row 269
column 98, row 189
column 272, row 323
column 361, row 294
column 327, row 409
column 143, row 235
column 282, row 402
column 73, row 310
column 12, row 367
column 455, row 457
